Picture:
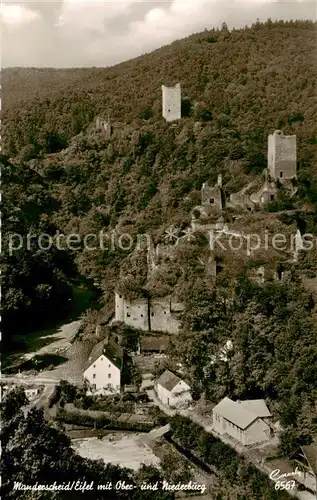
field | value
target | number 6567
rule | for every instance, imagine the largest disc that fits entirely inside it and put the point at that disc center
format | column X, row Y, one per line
column 285, row 485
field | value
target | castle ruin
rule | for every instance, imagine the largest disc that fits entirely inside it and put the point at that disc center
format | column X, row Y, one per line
column 104, row 126
column 212, row 197
column 281, row 156
column 171, row 102
column 266, row 194
column 161, row 314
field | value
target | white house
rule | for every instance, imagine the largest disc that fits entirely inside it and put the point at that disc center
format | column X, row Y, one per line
column 172, row 391
column 32, row 391
column 245, row 421
column 103, row 370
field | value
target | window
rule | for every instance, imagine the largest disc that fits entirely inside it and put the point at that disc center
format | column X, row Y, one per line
column 94, row 375
column 141, row 315
column 120, row 296
column 272, row 197
column 109, row 366
column 94, row 366
column 212, row 200
column 152, row 314
column 94, row 387
column 128, row 315
column 101, row 358
column 109, row 375
column 281, row 174
column 164, row 312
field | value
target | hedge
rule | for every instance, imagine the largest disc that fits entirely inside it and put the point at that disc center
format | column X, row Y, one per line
column 72, row 417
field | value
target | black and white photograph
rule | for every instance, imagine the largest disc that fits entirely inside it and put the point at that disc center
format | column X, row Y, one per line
column 158, row 249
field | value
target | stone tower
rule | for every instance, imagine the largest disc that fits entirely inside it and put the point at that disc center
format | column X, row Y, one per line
column 212, row 197
column 281, row 155
column 104, row 126
column 171, row 102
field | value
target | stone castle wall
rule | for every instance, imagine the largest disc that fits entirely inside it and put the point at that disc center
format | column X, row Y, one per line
column 146, row 315
column 161, row 317
column 134, row 313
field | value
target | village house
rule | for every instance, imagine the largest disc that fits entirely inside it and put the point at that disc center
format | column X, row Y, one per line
column 245, row 421
column 103, row 369
column 172, row 391
column 32, row 391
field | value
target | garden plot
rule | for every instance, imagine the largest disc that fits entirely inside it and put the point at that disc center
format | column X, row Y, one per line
column 121, row 449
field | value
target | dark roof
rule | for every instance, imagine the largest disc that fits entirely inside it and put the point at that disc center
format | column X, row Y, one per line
column 168, row 380
column 110, row 350
column 310, row 452
column 149, row 343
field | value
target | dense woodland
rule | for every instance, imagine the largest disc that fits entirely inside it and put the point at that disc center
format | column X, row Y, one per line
column 59, row 174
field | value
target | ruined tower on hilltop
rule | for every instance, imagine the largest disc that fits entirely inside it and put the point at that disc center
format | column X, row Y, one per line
column 212, row 197
column 104, row 126
column 281, row 156
column 171, row 102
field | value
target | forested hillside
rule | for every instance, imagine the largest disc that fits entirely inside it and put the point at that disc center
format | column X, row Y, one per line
column 237, row 87
column 258, row 78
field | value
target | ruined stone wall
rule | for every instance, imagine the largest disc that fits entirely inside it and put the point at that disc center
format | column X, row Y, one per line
column 212, row 197
column 104, row 126
column 266, row 194
column 133, row 313
column 155, row 315
column 161, row 317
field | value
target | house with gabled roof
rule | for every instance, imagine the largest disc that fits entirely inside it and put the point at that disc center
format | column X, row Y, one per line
column 103, row 369
column 172, row 391
column 246, row 421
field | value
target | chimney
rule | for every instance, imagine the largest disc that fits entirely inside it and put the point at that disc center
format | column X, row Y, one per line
column 219, row 180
